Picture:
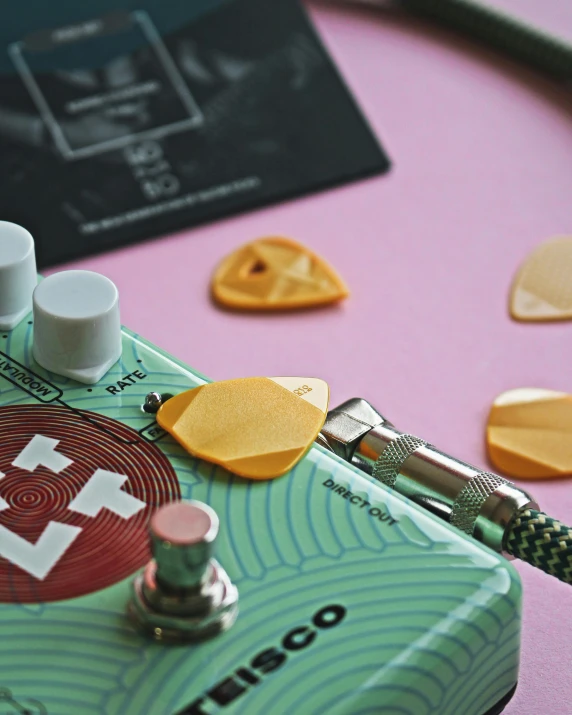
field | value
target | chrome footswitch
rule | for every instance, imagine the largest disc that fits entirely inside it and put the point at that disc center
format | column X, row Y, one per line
column 183, row 594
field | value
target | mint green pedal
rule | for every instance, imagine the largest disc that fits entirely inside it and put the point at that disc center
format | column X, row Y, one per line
column 431, row 619
column 351, row 599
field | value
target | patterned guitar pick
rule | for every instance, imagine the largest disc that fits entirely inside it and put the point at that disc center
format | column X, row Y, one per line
column 276, row 274
column 529, row 433
column 542, row 289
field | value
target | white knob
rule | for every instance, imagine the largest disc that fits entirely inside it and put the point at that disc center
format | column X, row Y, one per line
column 77, row 331
column 18, row 275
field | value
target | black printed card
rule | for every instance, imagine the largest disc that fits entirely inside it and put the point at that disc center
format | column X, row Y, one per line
column 123, row 124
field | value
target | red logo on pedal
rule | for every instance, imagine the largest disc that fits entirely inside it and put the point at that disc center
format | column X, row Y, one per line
column 77, row 490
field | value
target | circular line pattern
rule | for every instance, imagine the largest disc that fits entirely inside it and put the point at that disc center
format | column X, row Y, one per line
column 109, row 548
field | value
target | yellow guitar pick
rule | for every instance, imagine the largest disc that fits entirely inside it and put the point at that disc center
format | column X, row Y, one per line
column 542, row 289
column 276, row 274
column 257, row 427
column 529, row 433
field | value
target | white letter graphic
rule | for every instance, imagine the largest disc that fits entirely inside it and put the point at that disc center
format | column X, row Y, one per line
column 40, row 558
column 104, row 490
column 41, row 450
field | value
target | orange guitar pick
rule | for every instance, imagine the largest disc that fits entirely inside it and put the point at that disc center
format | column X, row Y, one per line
column 529, row 433
column 542, row 289
column 257, row 427
column 276, row 274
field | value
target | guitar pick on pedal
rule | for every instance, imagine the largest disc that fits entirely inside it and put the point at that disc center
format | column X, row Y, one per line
column 256, row 427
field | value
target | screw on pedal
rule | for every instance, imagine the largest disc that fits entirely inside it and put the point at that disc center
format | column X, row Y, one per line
column 153, row 401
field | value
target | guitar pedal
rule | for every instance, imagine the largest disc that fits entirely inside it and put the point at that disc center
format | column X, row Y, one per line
column 352, row 597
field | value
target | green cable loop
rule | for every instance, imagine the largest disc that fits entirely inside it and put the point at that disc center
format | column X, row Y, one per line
column 543, row 542
column 545, row 51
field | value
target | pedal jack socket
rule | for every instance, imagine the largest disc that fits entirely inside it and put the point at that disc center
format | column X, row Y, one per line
column 183, row 594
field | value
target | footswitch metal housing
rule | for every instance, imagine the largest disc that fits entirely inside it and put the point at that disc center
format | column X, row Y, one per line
column 183, row 595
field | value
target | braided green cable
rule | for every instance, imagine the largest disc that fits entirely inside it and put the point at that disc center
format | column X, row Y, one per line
column 543, row 542
column 479, row 19
column 485, row 22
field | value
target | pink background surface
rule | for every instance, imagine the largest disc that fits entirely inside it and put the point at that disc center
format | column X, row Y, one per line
column 483, row 171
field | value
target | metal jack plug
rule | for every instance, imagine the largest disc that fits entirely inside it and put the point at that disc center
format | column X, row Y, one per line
column 481, row 504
